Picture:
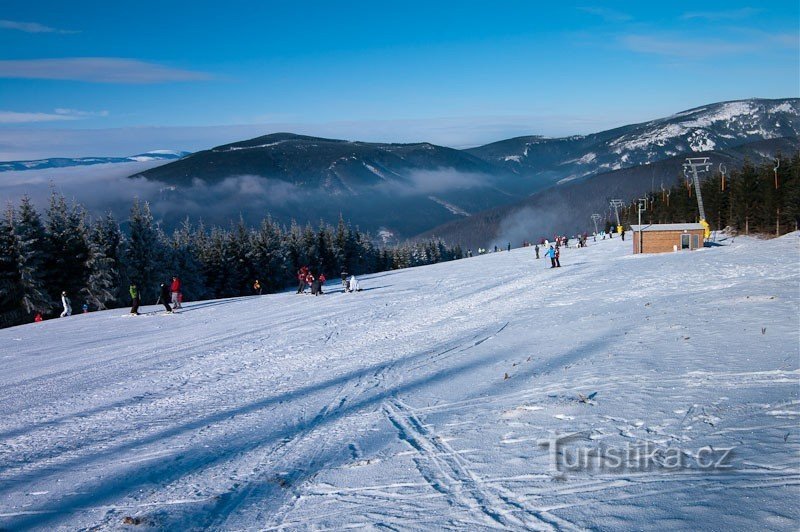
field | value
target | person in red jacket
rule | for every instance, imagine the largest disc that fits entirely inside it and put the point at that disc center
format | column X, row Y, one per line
column 175, row 289
column 309, row 280
column 302, row 273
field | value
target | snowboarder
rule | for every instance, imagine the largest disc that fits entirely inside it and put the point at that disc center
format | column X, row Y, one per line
column 134, row 300
column 163, row 298
column 67, row 307
column 536, row 248
column 175, row 289
column 353, row 284
column 257, row 287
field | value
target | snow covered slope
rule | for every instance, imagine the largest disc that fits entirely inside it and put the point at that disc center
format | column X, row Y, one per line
column 423, row 402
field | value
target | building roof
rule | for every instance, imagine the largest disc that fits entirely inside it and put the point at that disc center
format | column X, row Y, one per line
column 667, row 227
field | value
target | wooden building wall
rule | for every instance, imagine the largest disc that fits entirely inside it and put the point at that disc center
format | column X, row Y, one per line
column 663, row 241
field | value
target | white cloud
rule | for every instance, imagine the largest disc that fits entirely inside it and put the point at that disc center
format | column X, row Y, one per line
column 80, row 114
column 609, row 15
column 678, row 46
column 13, row 117
column 31, row 27
column 96, row 69
column 731, row 14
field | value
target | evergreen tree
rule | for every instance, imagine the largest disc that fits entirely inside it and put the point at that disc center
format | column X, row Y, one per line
column 11, row 312
column 104, row 278
column 68, row 249
column 141, row 251
column 31, row 256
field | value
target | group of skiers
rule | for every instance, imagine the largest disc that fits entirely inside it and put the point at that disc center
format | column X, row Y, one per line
column 307, row 280
column 167, row 294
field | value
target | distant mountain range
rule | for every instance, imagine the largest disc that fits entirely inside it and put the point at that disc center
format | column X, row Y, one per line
column 403, row 190
column 567, row 208
column 63, row 162
column 712, row 127
column 406, row 189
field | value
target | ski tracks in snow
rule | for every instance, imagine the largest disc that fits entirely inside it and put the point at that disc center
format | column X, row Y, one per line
column 447, row 472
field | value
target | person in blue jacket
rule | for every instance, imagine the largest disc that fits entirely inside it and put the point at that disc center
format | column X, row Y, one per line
column 552, row 254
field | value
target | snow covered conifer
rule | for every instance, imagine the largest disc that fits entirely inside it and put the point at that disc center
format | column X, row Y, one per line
column 104, row 279
column 10, row 287
column 31, row 255
column 142, row 249
column 68, row 248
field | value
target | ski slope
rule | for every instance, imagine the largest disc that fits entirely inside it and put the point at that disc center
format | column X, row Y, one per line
column 423, row 402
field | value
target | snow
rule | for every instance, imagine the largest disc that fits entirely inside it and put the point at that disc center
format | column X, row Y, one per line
column 424, row 402
column 455, row 209
column 785, row 107
column 238, row 148
column 375, row 171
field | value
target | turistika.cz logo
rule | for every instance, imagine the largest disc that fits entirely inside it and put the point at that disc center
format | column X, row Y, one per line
column 566, row 456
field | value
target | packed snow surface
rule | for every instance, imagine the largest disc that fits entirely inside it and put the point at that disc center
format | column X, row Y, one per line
column 424, row 402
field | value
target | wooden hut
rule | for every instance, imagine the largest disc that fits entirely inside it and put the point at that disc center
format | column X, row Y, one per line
column 661, row 238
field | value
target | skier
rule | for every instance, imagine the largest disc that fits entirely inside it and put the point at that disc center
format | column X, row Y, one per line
column 622, row 234
column 301, row 279
column 322, row 280
column 134, row 300
column 552, row 254
column 163, row 298
column 558, row 254
column 309, row 280
column 175, row 289
column 353, row 284
column 257, row 287
column 508, row 248
column 344, row 279
column 316, row 287
column 536, row 248
column 67, row 307
column 38, row 317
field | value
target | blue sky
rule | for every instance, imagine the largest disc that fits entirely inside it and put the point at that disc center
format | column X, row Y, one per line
column 109, row 78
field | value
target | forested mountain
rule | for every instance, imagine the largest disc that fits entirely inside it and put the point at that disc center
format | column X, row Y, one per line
column 567, row 209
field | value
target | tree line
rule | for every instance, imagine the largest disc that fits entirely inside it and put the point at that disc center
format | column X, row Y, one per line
column 754, row 199
column 94, row 260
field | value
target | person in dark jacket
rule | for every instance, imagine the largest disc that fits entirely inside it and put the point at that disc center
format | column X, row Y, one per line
column 163, row 297
column 135, row 300
column 345, row 275
column 536, row 248
column 316, row 286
